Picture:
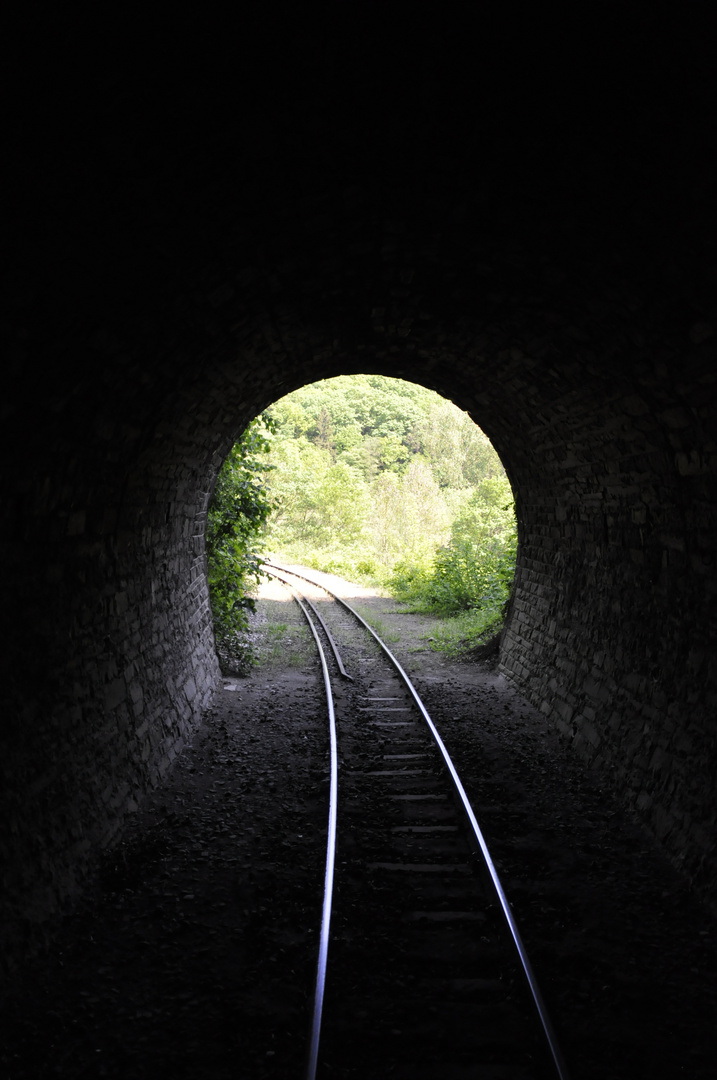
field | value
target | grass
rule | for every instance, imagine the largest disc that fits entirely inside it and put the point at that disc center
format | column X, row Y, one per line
column 459, row 634
column 454, row 634
column 378, row 625
column 349, row 565
column 281, row 644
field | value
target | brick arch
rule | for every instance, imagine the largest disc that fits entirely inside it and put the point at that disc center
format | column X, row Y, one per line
column 177, row 278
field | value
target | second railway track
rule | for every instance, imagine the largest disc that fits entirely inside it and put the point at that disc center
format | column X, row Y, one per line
column 422, row 976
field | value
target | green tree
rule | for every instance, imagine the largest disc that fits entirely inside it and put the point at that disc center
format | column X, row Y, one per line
column 238, row 509
column 459, row 453
column 318, row 502
column 299, row 466
column 374, row 461
column 289, row 417
column 475, row 569
column 410, row 517
column 348, row 438
column 323, row 431
column 342, row 507
column 386, row 503
column 389, row 453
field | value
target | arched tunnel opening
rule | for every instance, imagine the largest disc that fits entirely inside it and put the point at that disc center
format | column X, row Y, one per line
column 610, row 612
column 379, row 479
column 179, row 268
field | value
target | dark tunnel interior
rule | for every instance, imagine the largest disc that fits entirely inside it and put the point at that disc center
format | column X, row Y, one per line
column 524, row 223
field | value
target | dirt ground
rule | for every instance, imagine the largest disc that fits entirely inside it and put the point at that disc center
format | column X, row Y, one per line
column 191, row 951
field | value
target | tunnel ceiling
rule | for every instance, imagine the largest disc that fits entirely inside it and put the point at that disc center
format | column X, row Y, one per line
column 192, row 241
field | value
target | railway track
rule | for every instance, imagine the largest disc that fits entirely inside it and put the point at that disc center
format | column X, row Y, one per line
column 421, row 972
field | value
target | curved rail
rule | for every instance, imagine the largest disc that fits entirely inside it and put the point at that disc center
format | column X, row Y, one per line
column 324, row 627
column 535, row 991
column 320, row 984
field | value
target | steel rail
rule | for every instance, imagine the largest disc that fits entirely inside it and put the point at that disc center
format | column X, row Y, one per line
column 324, row 627
column 536, row 994
column 320, row 984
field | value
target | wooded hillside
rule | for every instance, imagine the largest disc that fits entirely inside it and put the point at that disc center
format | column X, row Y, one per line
column 372, row 478
column 373, row 471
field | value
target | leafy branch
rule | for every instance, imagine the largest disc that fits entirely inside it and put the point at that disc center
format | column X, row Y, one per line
column 238, row 510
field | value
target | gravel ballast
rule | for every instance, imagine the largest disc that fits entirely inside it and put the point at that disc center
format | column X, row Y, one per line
column 191, row 951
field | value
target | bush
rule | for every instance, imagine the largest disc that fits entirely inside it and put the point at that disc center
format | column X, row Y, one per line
column 367, row 567
column 475, row 569
column 467, row 632
column 410, row 581
column 237, row 511
column 469, row 576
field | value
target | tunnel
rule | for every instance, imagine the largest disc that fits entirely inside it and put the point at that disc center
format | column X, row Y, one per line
column 187, row 248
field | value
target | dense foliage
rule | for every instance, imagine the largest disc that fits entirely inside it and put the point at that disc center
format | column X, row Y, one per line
column 238, row 510
column 380, row 477
column 373, row 478
column 474, row 570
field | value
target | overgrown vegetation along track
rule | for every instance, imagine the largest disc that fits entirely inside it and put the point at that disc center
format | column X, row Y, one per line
column 422, row 982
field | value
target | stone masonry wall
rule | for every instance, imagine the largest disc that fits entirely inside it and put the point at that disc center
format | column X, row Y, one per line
column 185, row 245
column 615, row 564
